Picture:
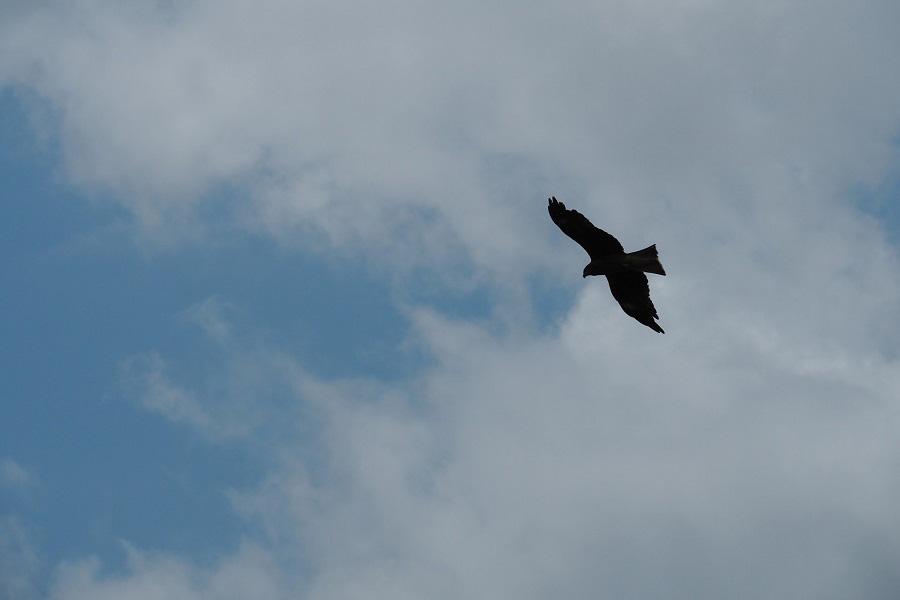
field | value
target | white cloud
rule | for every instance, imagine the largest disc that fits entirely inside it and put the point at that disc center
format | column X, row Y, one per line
column 242, row 397
column 583, row 465
column 18, row 558
column 211, row 315
column 158, row 394
column 15, row 477
column 248, row 574
column 750, row 452
column 343, row 119
column 540, row 465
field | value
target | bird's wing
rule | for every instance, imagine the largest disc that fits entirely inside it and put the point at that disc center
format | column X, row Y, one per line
column 632, row 292
column 575, row 225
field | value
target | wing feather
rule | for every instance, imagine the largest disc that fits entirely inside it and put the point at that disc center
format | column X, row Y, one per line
column 594, row 240
column 632, row 292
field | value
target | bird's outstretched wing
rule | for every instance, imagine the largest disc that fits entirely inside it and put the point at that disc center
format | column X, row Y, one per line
column 575, row 225
column 631, row 291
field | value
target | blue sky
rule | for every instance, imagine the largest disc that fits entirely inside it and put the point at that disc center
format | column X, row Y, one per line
column 282, row 313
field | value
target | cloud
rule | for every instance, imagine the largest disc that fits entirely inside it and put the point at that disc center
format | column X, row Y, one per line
column 250, row 573
column 211, row 316
column 158, row 394
column 343, row 121
column 14, row 477
column 244, row 397
column 18, row 558
column 521, row 464
column 749, row 453
column 240, row 390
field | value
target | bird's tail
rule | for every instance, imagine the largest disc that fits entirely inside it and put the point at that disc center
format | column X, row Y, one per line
column 647, row 260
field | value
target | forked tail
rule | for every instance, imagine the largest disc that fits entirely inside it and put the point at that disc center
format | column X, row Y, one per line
column 647, row 260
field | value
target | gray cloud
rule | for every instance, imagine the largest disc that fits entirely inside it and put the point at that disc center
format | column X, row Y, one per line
column 249, row 573
column 522, row 466
column 368, row 111
column 18, row 557
column 14, row 477
column 749, row 453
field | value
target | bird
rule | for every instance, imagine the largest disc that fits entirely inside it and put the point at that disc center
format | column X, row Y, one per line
column 624, row 271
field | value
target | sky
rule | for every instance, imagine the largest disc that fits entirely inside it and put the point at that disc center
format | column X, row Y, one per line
column 283, row 315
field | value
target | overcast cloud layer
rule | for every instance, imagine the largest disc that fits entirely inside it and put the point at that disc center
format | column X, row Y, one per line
column 751, row 452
